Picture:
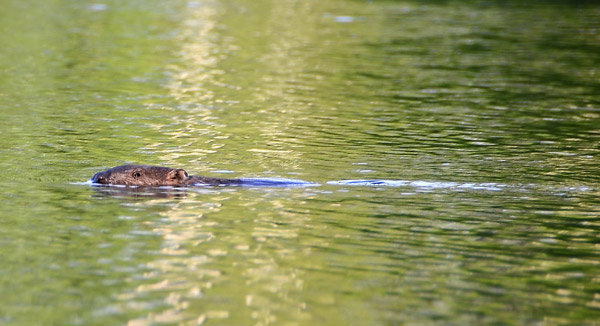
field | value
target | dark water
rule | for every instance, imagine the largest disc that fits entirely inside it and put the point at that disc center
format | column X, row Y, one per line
column 455, row 145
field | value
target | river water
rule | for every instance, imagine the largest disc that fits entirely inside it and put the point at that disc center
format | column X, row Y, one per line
column 454, row 146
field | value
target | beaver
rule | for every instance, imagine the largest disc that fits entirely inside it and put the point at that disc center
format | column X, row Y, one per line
column 155, row 176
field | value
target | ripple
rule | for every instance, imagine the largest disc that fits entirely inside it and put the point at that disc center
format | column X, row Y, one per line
column 419, row 184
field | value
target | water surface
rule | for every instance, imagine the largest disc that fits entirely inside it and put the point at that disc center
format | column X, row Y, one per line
column 455, row 145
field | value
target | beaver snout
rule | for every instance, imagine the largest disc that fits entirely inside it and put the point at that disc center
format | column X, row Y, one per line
column 99, row 178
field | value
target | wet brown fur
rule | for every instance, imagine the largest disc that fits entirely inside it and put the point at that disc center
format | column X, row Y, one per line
column 155, row 176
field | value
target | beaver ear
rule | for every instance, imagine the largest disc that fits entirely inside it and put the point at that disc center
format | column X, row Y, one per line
column 178, row 174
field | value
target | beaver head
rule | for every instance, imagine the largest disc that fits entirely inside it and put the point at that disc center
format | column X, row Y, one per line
column 141, row 176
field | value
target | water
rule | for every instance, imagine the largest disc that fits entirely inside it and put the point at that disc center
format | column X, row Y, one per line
column 454, row 145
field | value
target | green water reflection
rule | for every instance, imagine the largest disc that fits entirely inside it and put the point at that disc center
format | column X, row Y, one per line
column 465, row 93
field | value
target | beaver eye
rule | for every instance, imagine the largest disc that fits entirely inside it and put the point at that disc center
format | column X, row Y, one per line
column 136, row 174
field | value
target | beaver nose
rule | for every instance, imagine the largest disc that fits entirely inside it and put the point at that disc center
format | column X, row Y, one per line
column 98, row 178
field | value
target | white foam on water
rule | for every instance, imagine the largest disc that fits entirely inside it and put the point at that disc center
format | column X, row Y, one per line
column 419, row 184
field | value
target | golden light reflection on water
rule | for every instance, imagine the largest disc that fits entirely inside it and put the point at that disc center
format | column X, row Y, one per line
column 196, row 68
column 181, row 275
column 194, row 262
column 197, row 54
column 195, row 78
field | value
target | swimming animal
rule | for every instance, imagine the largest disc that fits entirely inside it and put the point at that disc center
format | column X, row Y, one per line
column 159, row 176
column 156, row 176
